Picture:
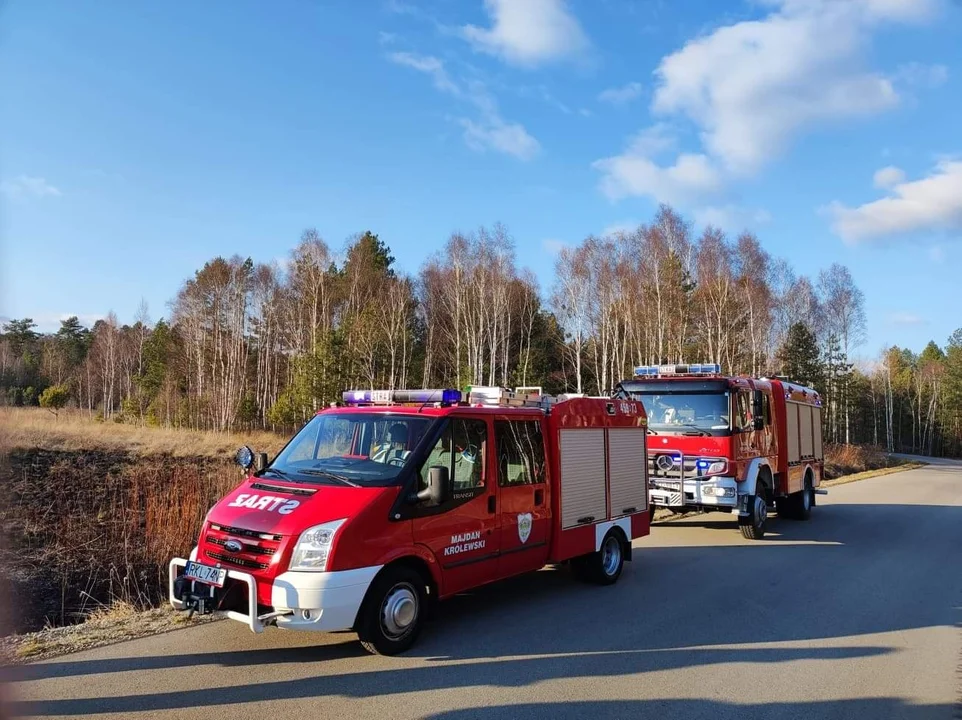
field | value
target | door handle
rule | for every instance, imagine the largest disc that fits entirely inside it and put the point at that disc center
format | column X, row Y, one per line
column 539, row 497
column 492, row 503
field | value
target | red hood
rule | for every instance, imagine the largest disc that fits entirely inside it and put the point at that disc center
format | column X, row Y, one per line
column 699, row 445
column 287, row 509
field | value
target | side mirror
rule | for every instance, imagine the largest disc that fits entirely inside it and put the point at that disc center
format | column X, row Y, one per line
column 260, row 461
column 436, row 492
column 244, row 457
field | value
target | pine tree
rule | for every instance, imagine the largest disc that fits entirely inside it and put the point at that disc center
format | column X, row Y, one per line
column 799, row 357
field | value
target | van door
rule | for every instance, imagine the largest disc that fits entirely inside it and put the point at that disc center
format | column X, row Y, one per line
column 522, row 482
column 463, row 534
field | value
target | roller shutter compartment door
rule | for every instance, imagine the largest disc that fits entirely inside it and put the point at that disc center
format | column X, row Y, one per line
column 626, row 468
column 582, row 476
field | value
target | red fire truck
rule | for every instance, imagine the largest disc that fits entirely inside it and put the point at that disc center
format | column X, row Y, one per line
column 378, row 508
column 730, row 444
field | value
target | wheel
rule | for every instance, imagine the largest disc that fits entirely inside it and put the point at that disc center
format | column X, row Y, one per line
column 805, row 501
column 753, row 526
column 604, row 566
column 393, row 612
column 798, row 506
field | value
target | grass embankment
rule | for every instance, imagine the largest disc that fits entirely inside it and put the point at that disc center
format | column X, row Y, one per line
column 91, row 513
column 851, row 463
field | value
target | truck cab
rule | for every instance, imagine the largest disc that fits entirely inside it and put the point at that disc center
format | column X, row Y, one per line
column 380, row 507
column 731, row 444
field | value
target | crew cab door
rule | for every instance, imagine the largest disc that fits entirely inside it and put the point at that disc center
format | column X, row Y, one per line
column 463, row 533
column 522, row 483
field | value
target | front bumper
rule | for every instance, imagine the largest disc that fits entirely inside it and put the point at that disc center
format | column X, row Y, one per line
column 714, row 492
column 319, row 601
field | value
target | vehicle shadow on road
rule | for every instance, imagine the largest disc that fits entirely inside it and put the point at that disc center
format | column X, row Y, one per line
column 875, row 708
column 854, row 570
column 387, row 681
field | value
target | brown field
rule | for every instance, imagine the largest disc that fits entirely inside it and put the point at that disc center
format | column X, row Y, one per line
column 92, row 512
column 75, row 430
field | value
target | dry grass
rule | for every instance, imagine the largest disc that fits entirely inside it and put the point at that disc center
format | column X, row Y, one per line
column 72, row 431
column 99, row 630
column 842, row 460
column 845, row 479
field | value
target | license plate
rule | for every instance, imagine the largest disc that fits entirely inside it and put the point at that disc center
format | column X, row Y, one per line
column 206, row 574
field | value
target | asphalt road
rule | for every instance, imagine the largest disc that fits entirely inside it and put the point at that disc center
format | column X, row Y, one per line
column 856, row 613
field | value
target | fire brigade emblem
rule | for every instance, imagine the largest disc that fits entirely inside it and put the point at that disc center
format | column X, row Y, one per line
column 524, row 527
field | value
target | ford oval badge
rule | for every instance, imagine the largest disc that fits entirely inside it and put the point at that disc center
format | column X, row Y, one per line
column 233, row 546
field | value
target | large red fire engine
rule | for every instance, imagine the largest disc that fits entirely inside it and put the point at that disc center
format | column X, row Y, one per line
column 729, row 444
column 378, row 508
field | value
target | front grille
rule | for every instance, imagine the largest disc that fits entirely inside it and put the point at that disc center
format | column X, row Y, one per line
column 248, row 548
column 684, row 468
column 236, row 560
column 257, row 548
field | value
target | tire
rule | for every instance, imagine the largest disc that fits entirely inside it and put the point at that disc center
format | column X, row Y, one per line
column 806, row 500
column 798, row 506
column 393, row 612
column 604, row 566
column 753, row 527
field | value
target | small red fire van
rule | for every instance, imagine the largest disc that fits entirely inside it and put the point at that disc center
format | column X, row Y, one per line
column 377, row 509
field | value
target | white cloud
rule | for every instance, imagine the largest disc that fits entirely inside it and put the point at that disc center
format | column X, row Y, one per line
column 25, row 186
column 752, row 87
column 553, row 246
column 888, row 177
column 489, row 130
column 922, row 76
column 528, row 32
column 931, row 204
column 692, row 176
column 494, row 133
column 906, row 318
column 621, row 95
column 429, row 65
column 730, row 218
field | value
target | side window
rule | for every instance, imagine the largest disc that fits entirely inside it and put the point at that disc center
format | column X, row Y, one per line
column 743, row 410
column 462, row 449
column 767, row 409
column 470, row 446
column 440, row 455
column 520, row 452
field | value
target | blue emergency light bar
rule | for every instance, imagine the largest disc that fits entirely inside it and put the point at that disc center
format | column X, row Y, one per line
column 667, row 370
column 445, row 396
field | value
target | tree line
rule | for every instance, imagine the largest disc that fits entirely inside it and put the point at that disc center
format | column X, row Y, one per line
column 251, row 344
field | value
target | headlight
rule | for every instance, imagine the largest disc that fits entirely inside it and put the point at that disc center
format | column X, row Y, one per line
column 712, row 466
column 712, row 491
column 314, row 547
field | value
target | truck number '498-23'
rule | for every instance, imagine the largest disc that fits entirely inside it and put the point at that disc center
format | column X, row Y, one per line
column 265, row 502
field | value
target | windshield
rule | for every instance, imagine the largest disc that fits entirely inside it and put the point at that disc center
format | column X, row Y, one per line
column 708, row 412
column 351, row 449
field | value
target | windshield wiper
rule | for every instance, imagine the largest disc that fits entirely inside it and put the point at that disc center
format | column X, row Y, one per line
column 280, row 473
column 695, row 430
column 333, row 476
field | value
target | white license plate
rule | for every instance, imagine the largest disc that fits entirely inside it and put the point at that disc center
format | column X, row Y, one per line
column 206, row 574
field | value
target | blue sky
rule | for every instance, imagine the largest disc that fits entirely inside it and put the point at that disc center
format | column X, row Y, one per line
column 139, row 140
